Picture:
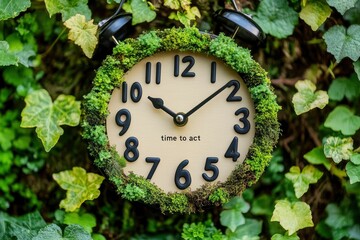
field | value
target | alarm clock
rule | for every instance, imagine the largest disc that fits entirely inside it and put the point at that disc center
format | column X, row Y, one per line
column 180, row 119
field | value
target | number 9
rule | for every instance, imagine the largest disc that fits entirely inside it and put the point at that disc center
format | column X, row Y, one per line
column 120, row 121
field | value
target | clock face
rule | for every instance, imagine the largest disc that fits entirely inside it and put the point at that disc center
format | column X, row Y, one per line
column 181, row 120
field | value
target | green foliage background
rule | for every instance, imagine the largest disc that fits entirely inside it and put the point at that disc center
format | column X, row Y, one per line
column 310, row 190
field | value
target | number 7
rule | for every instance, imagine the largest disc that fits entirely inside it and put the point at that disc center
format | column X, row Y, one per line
column 156, row 162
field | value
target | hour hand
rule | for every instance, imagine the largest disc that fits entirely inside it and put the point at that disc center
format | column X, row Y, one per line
column 158, row 103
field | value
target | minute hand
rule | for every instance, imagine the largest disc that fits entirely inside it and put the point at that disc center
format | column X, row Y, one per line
column 229, row 84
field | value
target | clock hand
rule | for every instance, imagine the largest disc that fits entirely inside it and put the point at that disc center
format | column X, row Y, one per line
column 158, row 103
column 229, row 84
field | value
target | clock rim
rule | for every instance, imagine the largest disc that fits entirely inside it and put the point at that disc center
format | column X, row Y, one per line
column 111, row 74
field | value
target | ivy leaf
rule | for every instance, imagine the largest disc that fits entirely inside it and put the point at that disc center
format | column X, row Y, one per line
column 342, row 5
column 339, row 216
column 86, row 220
column 342, row 42
column 285, row 237
column 338, row 149
column 83, row 33
column 12, row 8
column 24, row 227
column 276, row 18
column 54, row 232
column 46, row 116
column 251, row 229
column 355, row 158
column 302, row 180
column 315, row 13
column 7, row 58
column 141, row 12
column 173, row 4
column 80, row 186
column 317, row 156
column 345, row 87
column 357, row 68
column 292, row 216
column 353, row 171
column 352, row 15
column 307, row 98
column 68, row 8
column 232, row 216
column 344, row 120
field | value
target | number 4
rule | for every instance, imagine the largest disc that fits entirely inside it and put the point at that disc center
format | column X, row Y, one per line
column 232, row 151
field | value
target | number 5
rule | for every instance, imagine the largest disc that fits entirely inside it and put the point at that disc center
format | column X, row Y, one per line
column 212, row 168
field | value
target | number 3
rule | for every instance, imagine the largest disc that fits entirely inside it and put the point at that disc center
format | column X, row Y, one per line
column 245, row 129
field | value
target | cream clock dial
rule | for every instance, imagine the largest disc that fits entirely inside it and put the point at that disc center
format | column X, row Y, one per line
column 181, row 120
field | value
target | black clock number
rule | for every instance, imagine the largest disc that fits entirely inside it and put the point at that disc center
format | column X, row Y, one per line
column 182, row 176
column 210, row 167
column 213, row 72
column 232, row 97
column 246, row 124
column 135, row 92
column 155, row 161
column 232, row 151
column 131, row 153
column 157, row 73
column 186, row 73
column 123, row 119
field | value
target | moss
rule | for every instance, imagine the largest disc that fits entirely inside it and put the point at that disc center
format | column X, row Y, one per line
column 219, row 195
column 132, row 192
column 110, row 75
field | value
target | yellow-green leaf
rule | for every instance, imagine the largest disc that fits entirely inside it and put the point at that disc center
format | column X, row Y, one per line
column 292, row 216
column 80, row 186
column 46, row 116
column 83, row 33
column 302, row 179
column 315, row 12
column 173, row 4
column 307, row 98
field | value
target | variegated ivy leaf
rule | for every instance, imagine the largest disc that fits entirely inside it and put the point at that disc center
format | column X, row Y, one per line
column 292, row 216
column 338, row 148
column 173, row 4
column 47, row 116
column 302, row 179
column 83, row 33
column 307, row 98
column 12, row 8
column 342, row 5
column 344, row 120
column 68, row 8
column 315, row 12
column 80, row 186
